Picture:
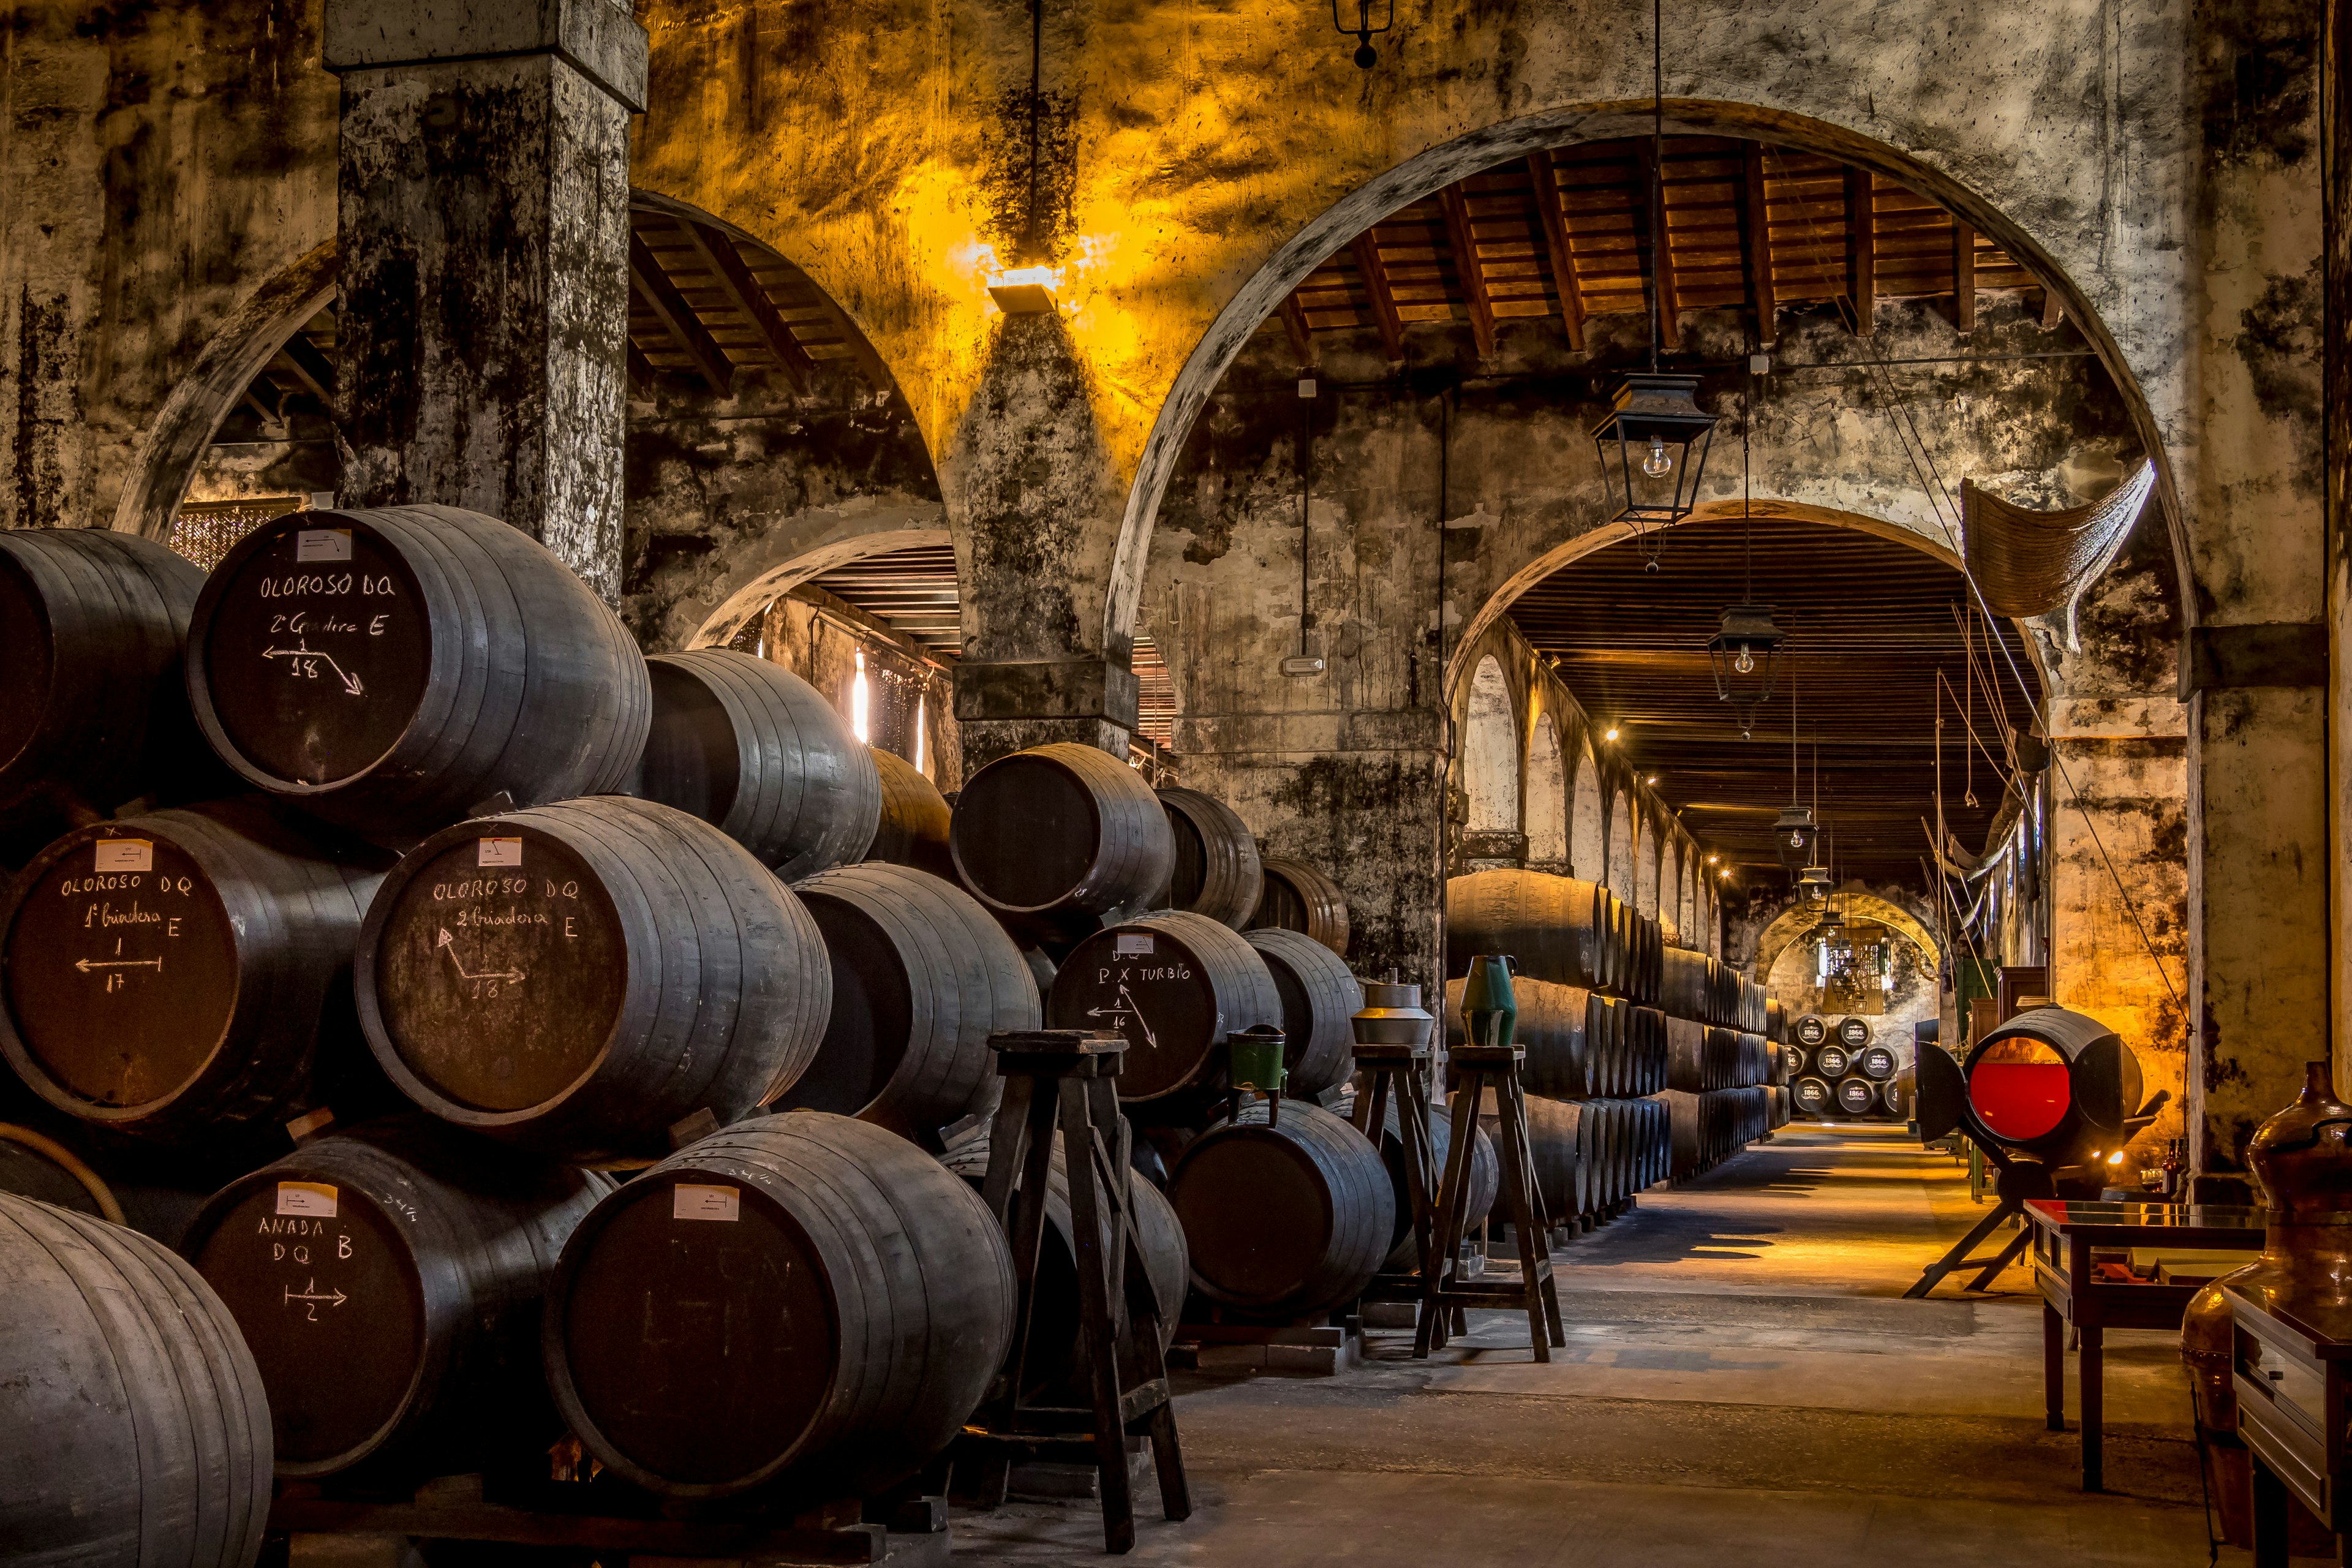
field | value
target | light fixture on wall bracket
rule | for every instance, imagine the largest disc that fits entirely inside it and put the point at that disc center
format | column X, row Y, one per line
column 1655, row 425
column 1366, row 55
column 1025, row 284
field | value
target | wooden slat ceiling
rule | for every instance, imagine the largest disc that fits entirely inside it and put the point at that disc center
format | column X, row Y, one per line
column 1869, row 622
column 1489, row 250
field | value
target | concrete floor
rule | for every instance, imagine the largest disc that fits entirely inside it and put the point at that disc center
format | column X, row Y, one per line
column 1742, row 1382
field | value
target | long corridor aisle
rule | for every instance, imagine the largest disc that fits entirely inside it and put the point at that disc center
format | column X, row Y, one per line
column 1740, row 1368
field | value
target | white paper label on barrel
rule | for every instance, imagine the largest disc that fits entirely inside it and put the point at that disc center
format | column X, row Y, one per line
column 1126, row 945
column 124, row 855
column 322, row 544
column 311, row 1200
column 500, row 852
column 687, row 1201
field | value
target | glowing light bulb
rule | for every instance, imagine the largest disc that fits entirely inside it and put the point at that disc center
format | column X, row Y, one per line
column 1746, row 663
column 1796, row 841
column 857, row 700
column 1657, row 465
column 1611, row 734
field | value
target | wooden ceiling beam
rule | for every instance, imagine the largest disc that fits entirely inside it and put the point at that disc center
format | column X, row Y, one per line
column 1653, row 222
column 1467, row 269
column 1755, row 216
column 1294, row 325
column 311, row 367
column 659, row 294
column 1369, row 268
column 1861, row 252
column 2053, row 311
column 1563, row 255
column 1964, row 276
column 641, row 369
column 725, row 264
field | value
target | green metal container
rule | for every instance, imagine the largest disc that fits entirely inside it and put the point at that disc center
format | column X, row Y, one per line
column 1490, row 1013
column 1255, row 1058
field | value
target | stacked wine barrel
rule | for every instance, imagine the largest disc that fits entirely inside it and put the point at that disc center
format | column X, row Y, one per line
column 1589, row 972
column 1851, row 1072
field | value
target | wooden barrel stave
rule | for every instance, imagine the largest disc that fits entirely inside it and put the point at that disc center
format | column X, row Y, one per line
column 875, row 1291
column 691, row 978
column 1319, row 997
column 921, row 976
column 436, row 1247
column 912, row 829
column 1283, row 1220
column 751, row 748
column 1294, row 896
column 1216, row 869
column 1175, row 983
column 243, row 1017
column 133, row 1426
column 497, row 678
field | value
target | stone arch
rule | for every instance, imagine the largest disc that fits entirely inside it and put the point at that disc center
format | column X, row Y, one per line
column 1669, row 873
column 1490, row 753
column 1263, row 293
column 1646, row 851
column 1547, row 802
column 1686, row 897
column 1621, row 834
column 1587, row 854
column 1796, row 919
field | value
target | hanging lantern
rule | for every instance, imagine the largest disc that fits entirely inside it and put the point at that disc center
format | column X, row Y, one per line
column 1794, row 836
column 1746, row 654
column 1366, row 55
column 1653, row 449
column 1813, row 885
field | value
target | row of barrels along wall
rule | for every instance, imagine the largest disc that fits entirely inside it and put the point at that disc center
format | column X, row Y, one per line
column 641, row 883
column 1840, row 1068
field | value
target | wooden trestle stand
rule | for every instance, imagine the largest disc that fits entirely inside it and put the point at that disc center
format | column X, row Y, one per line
column 1396, row 1070
column 1069, row 1076
column 1470, row 1069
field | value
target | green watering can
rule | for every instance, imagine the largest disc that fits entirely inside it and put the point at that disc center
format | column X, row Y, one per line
column 1256, row 1061
column 1489, row 1012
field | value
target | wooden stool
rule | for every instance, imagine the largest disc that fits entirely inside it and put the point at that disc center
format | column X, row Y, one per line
column 1399, row 1075
column 1471, row 1068
column 1069, row 1076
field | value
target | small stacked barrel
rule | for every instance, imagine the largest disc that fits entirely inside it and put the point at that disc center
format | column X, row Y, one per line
column 1723, row 1092
column 1853, row 1071
column 1587, row 984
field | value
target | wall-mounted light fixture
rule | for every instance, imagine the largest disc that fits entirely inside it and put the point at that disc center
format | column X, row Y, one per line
column 1366, row 55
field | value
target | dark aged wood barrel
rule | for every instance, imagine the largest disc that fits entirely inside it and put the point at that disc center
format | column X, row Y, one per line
column 1565, row 1145
column 154, row 1187
column 1647, row 1052
column 1898, row 1093
column 1216, row 869
column 1175, row 983
column 388, row 1280
column 1297, row 897
column 1558, row 928
column 577, row 978
column 1702, row 1057
column 751, row 748
column 94, row 707
column 913, row 827
column 1686, row 985
column 397, row 669
column 1062, row 833
column 1833, row 1060
column 1569, row 1034
column 180, row 973
column 1287, row 1219
column 921, row 976
column 1812, row 1095
column 1879, row 1062
column 866, row 1295
column 1857, row 1096
column 1053, row 1333
column 1319, row 995
column 1810, row 1030
column 1854, row 1033
column 1776, row 1020
column 133, row 1428
column 1792, row 1062
column 1486, row 1178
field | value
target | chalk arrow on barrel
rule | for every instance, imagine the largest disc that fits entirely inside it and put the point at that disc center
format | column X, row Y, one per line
column 447, row 943
column 309, row 1292
column 1127, row 1009
column 301, row 650
column 87, row 964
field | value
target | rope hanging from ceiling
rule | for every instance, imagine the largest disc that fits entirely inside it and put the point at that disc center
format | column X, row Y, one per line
column 2030, row 562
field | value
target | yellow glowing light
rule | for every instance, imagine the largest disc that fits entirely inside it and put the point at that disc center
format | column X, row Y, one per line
column 857, row 700
column 1019, row 277
column 1611, row 734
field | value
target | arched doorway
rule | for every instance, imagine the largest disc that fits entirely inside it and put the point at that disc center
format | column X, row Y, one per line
column 1490, row 753
column 1587, row 857
column 1546, row 809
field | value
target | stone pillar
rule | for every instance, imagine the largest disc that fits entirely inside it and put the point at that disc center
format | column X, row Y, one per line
column 483, row 229
column 1032, row 483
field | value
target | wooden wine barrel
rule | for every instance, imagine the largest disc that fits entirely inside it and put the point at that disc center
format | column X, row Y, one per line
column 1570, row 1035
column 1294, row 896
column 153, row 1186
column 1288, row 1219
column 1558, row 928
column 866, row 1295
column 388, row 1280
column 1175, row 983
column 133, row 1428
column 1792, row 1062
column 1812, row 1095
column 913, row 827
column 395, row 670
column 1878, row 1062
column 1899, row 1093
column 577, row 978
column 1857, row 1096
column 1810, row 1030
column 1055, row 1330
column 751, row 748
column 1776, row 1020
column 1647, row 1052
column 1687, row 986
column 1570, row 1146
column 1854, row 1033
column 1832, row 1061
column 1320, row 997
column 182, row 972
column 1215, row 872
column 94, row 709
column 921, row 976
column 1486, row 1178
column 1060, row 832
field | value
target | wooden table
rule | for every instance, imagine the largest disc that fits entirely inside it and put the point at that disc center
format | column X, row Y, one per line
column 2288, row 1368
column 2065, row 1234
